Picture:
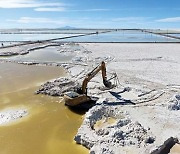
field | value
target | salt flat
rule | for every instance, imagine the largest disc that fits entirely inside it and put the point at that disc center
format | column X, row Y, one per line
column 151, row 71
column 150, row 108
column 146, row 114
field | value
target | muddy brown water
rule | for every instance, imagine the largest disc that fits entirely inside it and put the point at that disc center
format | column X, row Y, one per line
column 49, row 127
column 175, row 149
column 103, row 123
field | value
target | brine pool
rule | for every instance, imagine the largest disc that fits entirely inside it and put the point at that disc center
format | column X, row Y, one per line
column 111, row 36
column 49, row 127
column 48, row 54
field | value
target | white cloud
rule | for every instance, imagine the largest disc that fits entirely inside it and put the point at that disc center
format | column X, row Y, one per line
column 57, row 9
column 27, row 4
column 41, row 6
column 129, row 19
column 90, row 10
column 62, row 9
column 30, row 20
column 174, row 19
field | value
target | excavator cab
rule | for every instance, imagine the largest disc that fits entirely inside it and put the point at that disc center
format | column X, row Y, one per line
column 74, row 98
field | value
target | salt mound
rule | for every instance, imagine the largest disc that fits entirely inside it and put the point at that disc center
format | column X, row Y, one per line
column 58, row 86
column 11, row 115
column 111, row 139
column 174, row 103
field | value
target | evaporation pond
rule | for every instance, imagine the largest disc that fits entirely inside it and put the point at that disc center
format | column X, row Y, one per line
column 122, row 36
column 30, row 37
column 49, row 54
column 49, row 127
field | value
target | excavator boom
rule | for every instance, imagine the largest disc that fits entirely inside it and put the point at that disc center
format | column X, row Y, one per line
column 74, row 98
column 90, row 75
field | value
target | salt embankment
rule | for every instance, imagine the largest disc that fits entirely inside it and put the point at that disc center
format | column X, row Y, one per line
column 22, row 49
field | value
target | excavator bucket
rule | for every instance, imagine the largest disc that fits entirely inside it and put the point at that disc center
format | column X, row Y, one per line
column 107, row 84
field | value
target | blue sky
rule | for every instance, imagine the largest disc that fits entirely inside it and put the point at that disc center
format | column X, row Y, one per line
column 90, row 13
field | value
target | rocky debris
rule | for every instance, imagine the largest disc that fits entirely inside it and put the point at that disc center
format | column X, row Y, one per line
column 8, row 54
column 112, row 138
column 69, row 48
column 87, row 51
column 174, row 103
column 103, row 58
column 13, row 51
column 79, row 59
column 58, row 86
column 11, row 115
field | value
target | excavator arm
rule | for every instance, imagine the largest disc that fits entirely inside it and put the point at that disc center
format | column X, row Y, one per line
column 101, row 67
column 75, row 98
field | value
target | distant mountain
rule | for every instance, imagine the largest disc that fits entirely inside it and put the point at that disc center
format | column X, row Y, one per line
column 67, row 27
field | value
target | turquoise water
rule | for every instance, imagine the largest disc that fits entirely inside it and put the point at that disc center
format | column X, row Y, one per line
column 123, row 36
column 178, row 35
column 114, row 36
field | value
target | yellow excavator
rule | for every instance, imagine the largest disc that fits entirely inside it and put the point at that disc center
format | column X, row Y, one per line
column 80, row 96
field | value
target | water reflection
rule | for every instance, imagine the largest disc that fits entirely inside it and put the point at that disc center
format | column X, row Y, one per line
column 123, row 36
column 30, row 37
column 49, row 54
column 113, row 36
